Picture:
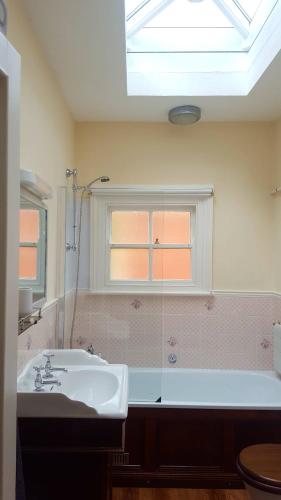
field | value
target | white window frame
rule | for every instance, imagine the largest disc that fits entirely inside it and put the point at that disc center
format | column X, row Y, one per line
column 198, row 199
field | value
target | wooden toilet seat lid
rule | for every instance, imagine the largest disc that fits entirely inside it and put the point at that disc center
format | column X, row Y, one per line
column 262, row 462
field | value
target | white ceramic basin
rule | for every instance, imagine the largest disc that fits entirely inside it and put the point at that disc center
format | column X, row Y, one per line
column 91, row 388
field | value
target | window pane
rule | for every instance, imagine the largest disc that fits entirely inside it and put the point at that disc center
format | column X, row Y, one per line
column 250, row 6
column 171, row 264
column 29, row 225
column 28, row 263
column 129, row 264
column 129, row 227
column 171, row 227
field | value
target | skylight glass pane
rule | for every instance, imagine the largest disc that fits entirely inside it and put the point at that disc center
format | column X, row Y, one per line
column 184, row 14
column 250, row 6
column 175, row 40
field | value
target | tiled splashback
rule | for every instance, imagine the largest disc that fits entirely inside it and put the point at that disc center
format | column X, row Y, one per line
column 223, row 331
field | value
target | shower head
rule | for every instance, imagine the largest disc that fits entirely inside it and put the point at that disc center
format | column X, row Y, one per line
column 103, row 178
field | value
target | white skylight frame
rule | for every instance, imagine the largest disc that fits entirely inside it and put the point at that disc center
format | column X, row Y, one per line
column 236, row 16
column 231, row 70
column 142, row 15
column 222, row 39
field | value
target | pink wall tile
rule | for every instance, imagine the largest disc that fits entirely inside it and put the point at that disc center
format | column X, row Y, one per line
column 184, row 305
column 221, row 331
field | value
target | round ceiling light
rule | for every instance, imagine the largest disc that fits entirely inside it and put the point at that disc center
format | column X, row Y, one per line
column 184, row 115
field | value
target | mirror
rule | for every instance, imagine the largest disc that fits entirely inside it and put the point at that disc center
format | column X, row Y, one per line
column 33, row 247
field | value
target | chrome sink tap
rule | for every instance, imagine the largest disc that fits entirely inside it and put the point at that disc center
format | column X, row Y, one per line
column 52, row 382
column 39, row 382
column 49, row 368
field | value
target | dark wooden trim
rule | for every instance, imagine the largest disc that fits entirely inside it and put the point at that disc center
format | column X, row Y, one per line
column 175, row 477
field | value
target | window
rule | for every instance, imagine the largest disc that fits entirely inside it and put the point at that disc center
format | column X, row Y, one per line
column 151, row 240
column 32, row 248
column 150, row 245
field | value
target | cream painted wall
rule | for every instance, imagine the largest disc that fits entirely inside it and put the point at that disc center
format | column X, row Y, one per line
column 277, row 208
column 236, row 158
column 47, row 127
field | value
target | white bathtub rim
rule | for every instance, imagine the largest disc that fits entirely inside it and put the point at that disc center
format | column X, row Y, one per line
column 201, row 406
column 269, row 373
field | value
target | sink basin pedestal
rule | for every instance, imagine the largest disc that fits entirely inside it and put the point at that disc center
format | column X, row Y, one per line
column 69, row 458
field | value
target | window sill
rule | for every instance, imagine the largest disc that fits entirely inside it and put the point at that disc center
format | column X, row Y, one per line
column 189, row 293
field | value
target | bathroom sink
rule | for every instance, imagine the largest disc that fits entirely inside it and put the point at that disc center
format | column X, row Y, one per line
column 89, row 388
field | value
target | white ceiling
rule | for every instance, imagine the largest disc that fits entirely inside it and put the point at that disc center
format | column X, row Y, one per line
column 84, row 41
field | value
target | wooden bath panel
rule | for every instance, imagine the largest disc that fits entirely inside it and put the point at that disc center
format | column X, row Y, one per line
column 194, row 448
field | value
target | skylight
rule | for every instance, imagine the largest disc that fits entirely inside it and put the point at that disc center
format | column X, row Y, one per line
column 195, row 36
column 186, row 25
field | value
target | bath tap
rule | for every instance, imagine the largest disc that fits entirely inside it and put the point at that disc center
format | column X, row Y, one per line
column 90, row 349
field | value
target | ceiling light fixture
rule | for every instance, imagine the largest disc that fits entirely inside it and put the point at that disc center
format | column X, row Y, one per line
column 184, row 115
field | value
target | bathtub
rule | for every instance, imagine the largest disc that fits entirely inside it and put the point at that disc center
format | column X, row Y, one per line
column 196, row 388
column 192, row 436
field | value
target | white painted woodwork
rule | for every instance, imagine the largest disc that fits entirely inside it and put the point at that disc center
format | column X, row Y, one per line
column 9, row 208
column 197, row 199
